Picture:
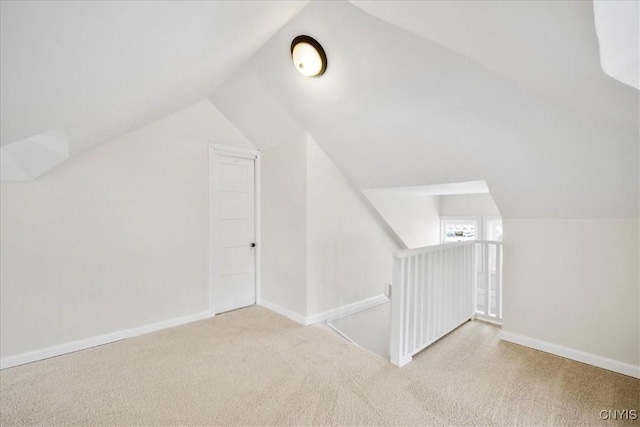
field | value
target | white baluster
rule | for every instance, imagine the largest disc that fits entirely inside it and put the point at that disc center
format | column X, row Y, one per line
column 498, row 282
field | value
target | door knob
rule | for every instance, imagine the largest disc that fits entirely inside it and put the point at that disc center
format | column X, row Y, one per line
column 253, row 245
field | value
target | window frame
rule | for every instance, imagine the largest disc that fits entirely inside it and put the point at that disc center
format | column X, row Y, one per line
column 461, row 220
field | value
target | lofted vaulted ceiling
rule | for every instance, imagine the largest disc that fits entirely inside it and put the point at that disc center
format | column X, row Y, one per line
column 416, row 93
column 102, row 68
column 550, row 48
column 401, row 107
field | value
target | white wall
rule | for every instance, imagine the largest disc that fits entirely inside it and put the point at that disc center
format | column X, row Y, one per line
column 113, row 239
column 323, row 244
column 574, row 283
column 201, row 121
column 349, row 250
column 413, row 216
column 468, row 205
column 284, row 225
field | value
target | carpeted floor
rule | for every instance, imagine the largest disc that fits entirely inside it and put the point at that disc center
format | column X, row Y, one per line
column 254, row 367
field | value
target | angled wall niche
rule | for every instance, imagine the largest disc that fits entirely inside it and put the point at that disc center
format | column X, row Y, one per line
column 31, row 157
column 617, row 25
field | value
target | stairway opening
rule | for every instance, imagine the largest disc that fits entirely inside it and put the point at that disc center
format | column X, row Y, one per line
column 450, row 272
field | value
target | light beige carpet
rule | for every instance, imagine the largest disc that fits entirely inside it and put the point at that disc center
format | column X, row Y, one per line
column 254, row 367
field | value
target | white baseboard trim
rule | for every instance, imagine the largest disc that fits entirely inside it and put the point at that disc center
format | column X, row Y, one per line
column 70, row 347
column 354, row 307
column 570, row 353
column 326, row 315
column 285, row 312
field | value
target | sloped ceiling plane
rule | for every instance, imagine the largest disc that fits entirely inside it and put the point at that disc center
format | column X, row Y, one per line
column 415, row 93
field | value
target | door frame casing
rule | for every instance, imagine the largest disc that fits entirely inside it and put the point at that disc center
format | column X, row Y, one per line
column 243, row 153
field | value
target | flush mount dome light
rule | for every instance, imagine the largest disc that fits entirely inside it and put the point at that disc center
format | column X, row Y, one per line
column 308, row 56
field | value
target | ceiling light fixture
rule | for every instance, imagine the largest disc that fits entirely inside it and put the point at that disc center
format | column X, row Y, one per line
column 308, row 56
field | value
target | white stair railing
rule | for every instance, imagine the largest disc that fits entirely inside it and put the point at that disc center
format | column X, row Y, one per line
column 435, row 290
column 488, row 290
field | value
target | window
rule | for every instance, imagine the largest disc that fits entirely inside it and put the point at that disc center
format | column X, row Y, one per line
column 460, row 230
column 493, row 229
column 465, row 228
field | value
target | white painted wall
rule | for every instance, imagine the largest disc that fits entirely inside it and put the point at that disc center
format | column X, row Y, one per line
column 574, row 283
column 284, row 225
column 413, row 216
column 202, row 121
column 468, row 205
column 349, row 250
column 113, row 239
column 323, row 244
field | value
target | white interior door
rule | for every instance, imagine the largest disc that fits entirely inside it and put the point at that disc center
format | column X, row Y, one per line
column 233, row 263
